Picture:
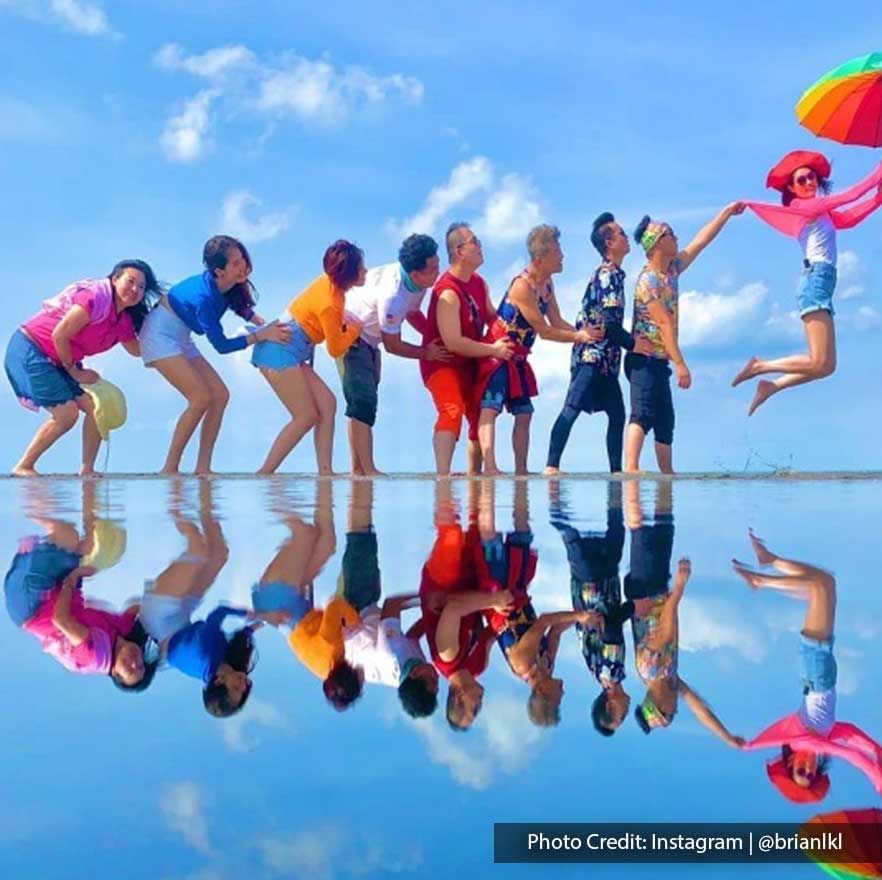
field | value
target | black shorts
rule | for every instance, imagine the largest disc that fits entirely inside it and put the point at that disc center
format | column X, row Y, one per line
column 651, row 549
column 590, row 391
column 652, row 406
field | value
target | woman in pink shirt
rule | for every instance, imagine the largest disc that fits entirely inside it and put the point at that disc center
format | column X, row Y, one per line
column 44, row 356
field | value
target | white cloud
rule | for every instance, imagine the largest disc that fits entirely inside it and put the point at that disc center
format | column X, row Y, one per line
column 711, row 624
column 256, row 713
column 21, row 122
column 848, row 265
column 469, row 177
column 511, row 211
column 465, row 765
column 720, row 319
column 185, row 138
column 263, row 228
column 212, row 64
column 866, row 318
column 181, row 805
column 850, row 291
column 316, row 91
column 84, row 18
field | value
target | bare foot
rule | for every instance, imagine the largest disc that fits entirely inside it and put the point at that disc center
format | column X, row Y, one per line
column 372, row 472
column 764, row 390
column 206, row 473
column 19, row 471
column 552, row 472
column 747, row 372
column 763, row 555
column 169, row 472
column 493, row 472
column 751, row 578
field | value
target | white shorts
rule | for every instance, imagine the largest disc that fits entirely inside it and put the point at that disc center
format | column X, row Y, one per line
column 163, row 616
column 163, row 334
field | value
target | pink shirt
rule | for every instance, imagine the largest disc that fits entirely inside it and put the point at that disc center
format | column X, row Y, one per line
column 105, row 327
column 94, row 656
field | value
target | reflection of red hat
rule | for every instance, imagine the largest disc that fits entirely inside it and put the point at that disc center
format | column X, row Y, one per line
column 779, row 177
column 781, row 779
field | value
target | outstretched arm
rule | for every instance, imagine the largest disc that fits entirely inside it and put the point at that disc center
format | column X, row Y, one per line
column 707, row 234
column 849, row 217
column 705, row 715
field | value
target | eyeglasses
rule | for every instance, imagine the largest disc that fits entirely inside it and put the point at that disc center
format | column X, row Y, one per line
column 803, row 179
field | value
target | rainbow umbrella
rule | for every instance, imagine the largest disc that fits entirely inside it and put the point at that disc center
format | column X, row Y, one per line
column 860, row 857
column 845, row 105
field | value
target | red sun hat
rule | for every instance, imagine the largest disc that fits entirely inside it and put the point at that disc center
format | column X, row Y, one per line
column 782, row 780
column 780, row 176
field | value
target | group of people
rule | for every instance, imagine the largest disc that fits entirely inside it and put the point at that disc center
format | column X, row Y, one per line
column 473, row 592
column 474, row 356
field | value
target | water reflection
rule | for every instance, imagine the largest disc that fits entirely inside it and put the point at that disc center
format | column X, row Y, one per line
column 388, row 600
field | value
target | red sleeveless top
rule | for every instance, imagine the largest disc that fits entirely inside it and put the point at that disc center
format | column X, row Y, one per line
column 472, row 295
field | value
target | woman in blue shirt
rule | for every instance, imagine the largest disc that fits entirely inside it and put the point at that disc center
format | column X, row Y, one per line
column 196, row 305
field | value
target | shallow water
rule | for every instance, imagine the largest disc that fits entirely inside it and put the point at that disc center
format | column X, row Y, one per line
column 96, row 779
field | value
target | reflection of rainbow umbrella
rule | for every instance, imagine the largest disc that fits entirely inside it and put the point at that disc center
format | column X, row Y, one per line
column 861, row 853
column 845, row 105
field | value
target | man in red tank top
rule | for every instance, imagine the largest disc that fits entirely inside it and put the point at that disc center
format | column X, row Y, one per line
column 459, row 311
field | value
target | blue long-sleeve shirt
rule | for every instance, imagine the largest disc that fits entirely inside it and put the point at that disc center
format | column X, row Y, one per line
column 198, row 649
column 200, row 305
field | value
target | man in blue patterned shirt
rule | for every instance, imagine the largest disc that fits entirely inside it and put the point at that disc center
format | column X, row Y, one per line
column 594, row 383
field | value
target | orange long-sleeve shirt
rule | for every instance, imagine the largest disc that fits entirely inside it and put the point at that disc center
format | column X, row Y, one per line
column 319, row 311
column 318, row 639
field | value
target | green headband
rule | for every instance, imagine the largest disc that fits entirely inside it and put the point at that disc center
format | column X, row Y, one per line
column 651, row 235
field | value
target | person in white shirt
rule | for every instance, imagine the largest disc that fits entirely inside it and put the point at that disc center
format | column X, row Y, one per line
column 390, row 657
column 390, row 295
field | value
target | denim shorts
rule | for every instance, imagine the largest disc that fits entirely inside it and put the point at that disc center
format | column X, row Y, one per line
column 360, row 375
column 652, row 406
column 497, row 395
column 299, row 352
column 33, row 575
column 818, row 664
column 277, row 596
column 35, row 379
column 816, row 289
column 164, row 335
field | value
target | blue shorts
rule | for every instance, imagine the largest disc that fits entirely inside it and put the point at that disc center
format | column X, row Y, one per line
column 818, row 664
column 652, row 406
column 816, row 289
column 32, row 575
column 275, row 356
column 279, row 596
column 496, row 395
column 35, row 379
column 590, row 391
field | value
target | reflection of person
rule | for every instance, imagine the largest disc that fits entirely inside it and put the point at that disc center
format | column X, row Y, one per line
column 390, row 295
column 459, row 641
column 594, row 559
column 44, row 596
column 528, row 310
column 201, row 649
column 44, row 356
column 812, row 219
column 811, row 736
column 656, row 319
column 594, row 371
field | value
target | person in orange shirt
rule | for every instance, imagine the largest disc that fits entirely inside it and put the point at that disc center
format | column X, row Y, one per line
column 315, row 316
column 317, row 642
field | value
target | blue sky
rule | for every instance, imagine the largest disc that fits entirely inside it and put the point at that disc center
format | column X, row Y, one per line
column 139, row 130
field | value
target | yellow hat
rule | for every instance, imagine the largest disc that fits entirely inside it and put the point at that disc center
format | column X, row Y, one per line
column 108, row 545
column 110, row 406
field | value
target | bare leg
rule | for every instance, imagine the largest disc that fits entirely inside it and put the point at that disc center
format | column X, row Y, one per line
column 91, row 437
column 520, row 441
column 634, row 438
column 633, row 508
column 799, row 369
column 292, row 389
column 361, row 441
column 664, row 456
column 487, row 440
column 61, row 419
column 211, row 423
column 179, row 372
column 326, row 406
column 444, row 443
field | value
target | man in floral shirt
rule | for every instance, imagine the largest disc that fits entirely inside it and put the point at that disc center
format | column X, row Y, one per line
column 594, row 386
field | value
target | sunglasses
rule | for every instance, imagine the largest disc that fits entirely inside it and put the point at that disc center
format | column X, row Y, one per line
column 803, row 179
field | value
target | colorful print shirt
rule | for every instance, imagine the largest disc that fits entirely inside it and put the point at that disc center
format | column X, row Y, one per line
column 661, row 286
column 603, row 303
column 653, row 663
column 509, row 316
